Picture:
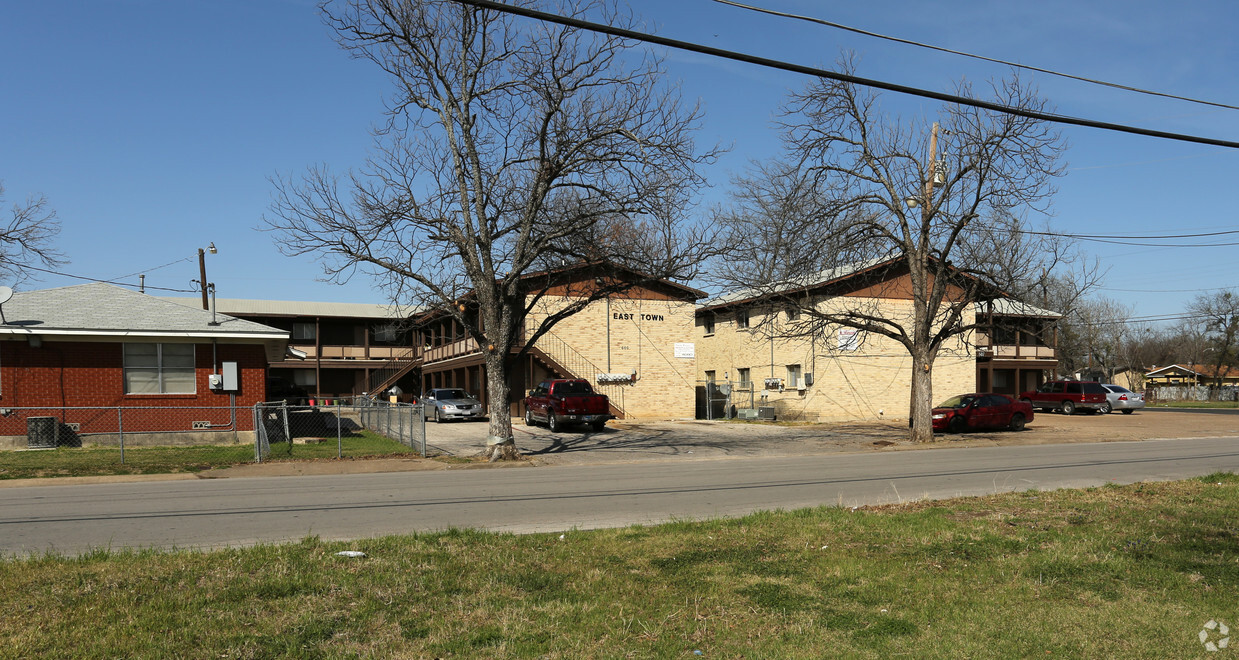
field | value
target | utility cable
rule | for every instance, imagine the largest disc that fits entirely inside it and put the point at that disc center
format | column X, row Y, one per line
column 842, row 77
column 92, row 279
column 909, row 42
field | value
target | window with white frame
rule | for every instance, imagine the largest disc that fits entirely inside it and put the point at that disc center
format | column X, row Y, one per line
column 159, row 369
column 793, row 375
column 742, row 318
column 743, row 376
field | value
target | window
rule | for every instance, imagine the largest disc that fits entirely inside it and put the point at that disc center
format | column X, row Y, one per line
column 742, row 319
column 793, row 375
column 386, row 333
column 305, row 378
column 159, row 369
column 303, row 332
column 793, row 313
column 709, row 376
column 708, row 322
column 743, row 375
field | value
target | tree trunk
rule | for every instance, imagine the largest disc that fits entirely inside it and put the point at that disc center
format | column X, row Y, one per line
column 500, row 445
column 922, row 400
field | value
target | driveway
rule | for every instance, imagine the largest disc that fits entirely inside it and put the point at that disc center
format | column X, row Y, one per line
column 627, row 441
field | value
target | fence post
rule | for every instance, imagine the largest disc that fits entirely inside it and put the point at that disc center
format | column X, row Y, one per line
column 259, row 431
column 120, row 431
column 339, row 434
column 421, row 419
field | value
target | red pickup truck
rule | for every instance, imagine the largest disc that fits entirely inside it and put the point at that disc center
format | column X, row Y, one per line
column 558, row 403
column 1067, row 396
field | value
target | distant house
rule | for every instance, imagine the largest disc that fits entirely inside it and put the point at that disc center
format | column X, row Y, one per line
column 1195, row 374
column 98, row 346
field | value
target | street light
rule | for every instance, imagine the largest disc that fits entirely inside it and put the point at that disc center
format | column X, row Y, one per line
column 202, row 271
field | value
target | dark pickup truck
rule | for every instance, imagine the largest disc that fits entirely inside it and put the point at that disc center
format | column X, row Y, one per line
column 1067, row 396
column 558, row 403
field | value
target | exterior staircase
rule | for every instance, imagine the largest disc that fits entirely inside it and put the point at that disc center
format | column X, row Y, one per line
column 384, row 377
column 567, row 362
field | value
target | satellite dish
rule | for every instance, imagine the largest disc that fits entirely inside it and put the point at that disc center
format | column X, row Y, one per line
column 5, row 294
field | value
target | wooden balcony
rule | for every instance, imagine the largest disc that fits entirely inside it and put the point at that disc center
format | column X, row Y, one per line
column 1004, row 352
column 383, row 353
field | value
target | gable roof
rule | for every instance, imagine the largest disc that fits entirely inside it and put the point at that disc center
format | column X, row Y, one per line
column 1206, row 370
column 105, row 310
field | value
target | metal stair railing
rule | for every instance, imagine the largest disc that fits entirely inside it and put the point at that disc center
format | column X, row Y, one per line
column 391, row 371
column 569, row 359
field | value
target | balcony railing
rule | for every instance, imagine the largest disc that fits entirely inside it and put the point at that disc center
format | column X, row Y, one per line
column 357, row 352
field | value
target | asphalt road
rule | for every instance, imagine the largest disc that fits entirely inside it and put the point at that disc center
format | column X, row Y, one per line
column 213, row 513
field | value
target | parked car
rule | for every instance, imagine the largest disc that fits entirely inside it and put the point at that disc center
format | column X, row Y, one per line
column 451, row 403
column 1067, row 396
column 558, row 403
column 981, row 411
column 1122, row 399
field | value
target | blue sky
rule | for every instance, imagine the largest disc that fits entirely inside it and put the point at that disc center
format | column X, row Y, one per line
column 152, row 126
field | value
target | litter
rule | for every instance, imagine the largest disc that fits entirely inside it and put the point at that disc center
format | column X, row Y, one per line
column 350, row 553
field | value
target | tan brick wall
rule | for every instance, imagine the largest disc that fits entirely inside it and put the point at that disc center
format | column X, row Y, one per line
column 871, row 382
column 642, row 337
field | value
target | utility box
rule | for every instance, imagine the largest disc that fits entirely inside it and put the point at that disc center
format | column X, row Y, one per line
column 232, row 381
column 42, row 432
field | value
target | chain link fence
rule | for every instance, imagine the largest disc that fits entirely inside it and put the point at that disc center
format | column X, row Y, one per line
column 69, row 441
column 352, row 427
column 36, row 442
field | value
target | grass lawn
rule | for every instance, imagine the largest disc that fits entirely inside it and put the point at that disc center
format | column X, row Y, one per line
column 80, row 462
column 1119, row 571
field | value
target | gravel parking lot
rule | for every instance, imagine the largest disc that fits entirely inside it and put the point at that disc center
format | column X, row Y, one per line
column 626, row 441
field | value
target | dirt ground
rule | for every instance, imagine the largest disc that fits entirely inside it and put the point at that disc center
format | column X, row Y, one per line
column 461, row 443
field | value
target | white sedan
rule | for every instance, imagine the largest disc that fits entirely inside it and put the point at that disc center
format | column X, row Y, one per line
column 1121, row 398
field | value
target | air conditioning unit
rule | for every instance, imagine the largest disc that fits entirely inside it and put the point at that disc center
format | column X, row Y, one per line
column 766, row 412
column 746, row 413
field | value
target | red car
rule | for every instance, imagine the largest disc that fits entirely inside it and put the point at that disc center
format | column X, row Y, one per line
column 981, row 411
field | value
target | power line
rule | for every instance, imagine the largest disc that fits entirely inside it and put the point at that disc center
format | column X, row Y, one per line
column 1216, row 288
column 92, row 279
column 909, row 42
column 842, row 77
column 141, row 272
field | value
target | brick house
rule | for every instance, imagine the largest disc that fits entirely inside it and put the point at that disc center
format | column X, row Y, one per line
column 101, row 346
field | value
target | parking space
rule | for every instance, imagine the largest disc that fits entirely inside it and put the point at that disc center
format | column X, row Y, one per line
column 624, row 440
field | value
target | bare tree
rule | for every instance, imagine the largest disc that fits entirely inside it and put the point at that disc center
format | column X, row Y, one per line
column 507, row 144
column 857, row 187
column 1217, row 314
column 26, row 238
column 1094, row 335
